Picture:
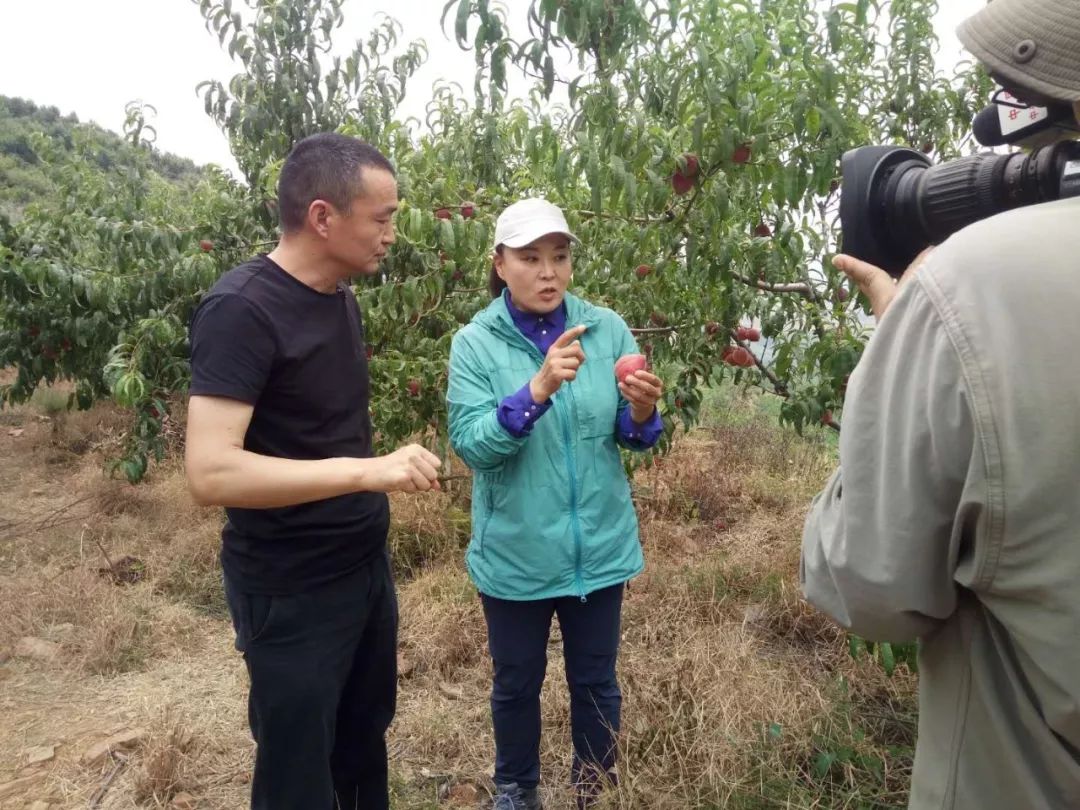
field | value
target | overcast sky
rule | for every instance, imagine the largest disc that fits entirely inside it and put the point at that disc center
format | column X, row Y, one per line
column 91, row 57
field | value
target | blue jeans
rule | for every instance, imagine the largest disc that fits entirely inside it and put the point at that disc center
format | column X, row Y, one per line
column 517, row 639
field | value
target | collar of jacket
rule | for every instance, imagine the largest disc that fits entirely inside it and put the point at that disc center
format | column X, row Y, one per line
column 495, row 317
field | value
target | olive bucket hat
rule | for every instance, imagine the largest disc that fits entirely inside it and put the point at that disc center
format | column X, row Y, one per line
column 1034, row 44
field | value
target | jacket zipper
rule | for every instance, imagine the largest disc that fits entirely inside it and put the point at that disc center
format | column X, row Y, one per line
column 573, row 506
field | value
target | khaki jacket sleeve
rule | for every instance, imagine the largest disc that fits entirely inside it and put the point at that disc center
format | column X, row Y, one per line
column 882, row 542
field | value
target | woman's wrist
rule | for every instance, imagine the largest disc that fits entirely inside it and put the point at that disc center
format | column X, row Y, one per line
column 641, row 414
column 537, row 391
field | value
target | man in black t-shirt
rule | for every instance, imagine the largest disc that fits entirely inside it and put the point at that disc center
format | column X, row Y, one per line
column 279, row 434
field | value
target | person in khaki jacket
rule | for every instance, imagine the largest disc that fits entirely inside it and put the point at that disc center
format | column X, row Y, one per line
column 954, row 517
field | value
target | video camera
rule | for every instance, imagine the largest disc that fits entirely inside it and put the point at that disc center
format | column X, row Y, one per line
column 895, row 202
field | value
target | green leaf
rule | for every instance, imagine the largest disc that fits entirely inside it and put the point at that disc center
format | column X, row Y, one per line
column 833, row 25
column 461, row 23
column 721, row 200
column 498, row 68
column 823, row 764
column 446, row 235
column 888, row 660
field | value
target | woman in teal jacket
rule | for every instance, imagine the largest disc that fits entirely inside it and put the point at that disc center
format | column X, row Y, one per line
column 537, row 414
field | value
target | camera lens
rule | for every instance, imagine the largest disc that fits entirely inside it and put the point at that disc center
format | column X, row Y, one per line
column 895, row 203
column 941, row 200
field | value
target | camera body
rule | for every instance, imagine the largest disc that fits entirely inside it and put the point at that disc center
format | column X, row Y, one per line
column 895, row 202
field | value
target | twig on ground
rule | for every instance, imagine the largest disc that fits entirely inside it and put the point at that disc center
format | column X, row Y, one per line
column 120, row 762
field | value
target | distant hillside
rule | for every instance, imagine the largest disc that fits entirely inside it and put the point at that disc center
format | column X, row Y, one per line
column 22, row 177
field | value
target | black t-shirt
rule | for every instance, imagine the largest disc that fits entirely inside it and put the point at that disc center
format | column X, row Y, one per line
column 297, row 355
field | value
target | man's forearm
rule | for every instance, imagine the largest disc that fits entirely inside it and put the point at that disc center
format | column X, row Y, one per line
column 240, row 478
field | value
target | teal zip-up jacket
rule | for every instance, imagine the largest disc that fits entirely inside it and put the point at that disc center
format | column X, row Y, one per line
column 551, row 511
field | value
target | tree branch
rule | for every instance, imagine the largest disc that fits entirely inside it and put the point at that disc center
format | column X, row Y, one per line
column 770, row 391
column 779, row 386
column 658, row 330
column 781, row 389
column 799, row 288
column 685, row 214
column 558, row 79
column 668, row 217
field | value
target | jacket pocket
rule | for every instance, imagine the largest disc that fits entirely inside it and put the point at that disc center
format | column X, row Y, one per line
column 486, row 512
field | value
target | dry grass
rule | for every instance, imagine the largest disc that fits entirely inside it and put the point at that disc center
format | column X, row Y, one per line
column 166, row 760
column 427, row 530
column 88, row 559
column 442, row 627
column 736, row 694
column 101, row 628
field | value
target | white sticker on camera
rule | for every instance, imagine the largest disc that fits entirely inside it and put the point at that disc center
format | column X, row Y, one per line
column 1016, row 118
column 1072, row 169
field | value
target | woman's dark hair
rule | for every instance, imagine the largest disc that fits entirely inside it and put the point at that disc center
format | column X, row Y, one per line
column 495, row 284
column 327, row 166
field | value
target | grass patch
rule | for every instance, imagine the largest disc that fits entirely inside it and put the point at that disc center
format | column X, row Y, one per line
column 736, row 694
column 425, row 529
column 165, row 769
column 50, row 401
column 196, row 581
column 407, row 794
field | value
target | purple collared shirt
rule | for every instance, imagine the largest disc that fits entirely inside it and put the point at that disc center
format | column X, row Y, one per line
column 518, row 412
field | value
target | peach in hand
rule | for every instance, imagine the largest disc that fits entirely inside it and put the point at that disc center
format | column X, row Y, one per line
column 628, row 364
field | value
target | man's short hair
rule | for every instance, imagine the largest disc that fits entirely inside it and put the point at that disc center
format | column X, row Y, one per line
column 326, row 166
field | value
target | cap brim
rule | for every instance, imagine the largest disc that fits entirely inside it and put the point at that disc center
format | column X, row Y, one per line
column 527, row 237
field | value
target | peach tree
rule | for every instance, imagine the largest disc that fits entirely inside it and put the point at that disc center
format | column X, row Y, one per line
column 697, row 146
column 694, row 145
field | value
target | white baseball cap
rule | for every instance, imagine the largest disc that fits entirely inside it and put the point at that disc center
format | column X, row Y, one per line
column 527, row 220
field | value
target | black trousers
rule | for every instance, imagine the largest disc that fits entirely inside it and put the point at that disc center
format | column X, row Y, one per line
column 517, row 639
column 323, row 668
